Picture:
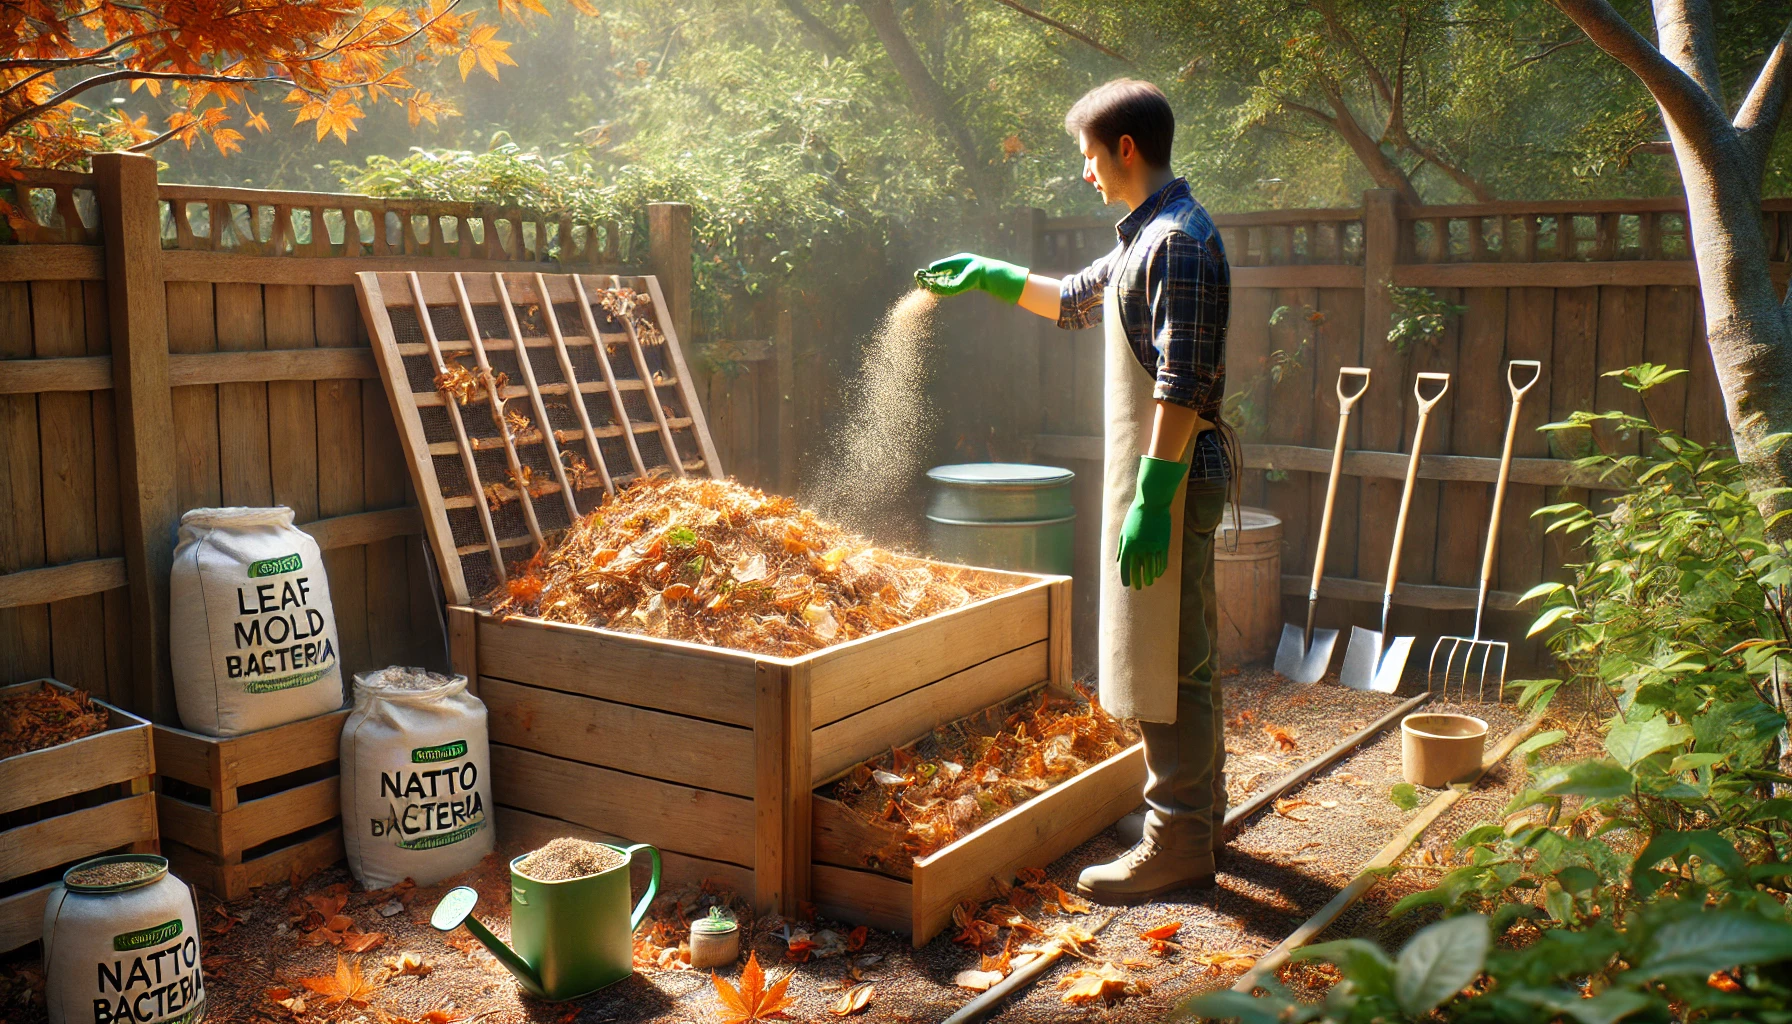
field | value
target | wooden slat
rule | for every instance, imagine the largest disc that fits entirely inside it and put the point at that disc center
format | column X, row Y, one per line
column 527, row 367
column 843, row 838
column 673, row 817
column 525, row 500
column 258, row 821
column 583, row 301
column 67, row 837
column 692, row 751
column 359, row 528
column 242, row 760
column 1410, row 595
column 61, row 582
column 575, row 387
column 856, row 675
column 899, row 720
column 22, row 916
column 188, row 265
column 1569, row 274
column 106, row 758
column 1310, row 275
column 688, row 679
column 675, row 356
column 1381, row 465
column 862, row 897
column 52, row 263
column 68, row 373
column 522, row 830
column 781, row 832
column 286, row 364
column 1031, row 835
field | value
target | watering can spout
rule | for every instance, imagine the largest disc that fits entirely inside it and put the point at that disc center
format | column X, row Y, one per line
column 456, row 909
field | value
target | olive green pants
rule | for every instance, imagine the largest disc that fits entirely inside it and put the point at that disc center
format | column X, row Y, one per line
column 1185, row 787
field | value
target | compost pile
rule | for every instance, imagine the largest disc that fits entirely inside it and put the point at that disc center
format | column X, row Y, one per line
column 46, row 717
column 716, row 562
column 949, row 783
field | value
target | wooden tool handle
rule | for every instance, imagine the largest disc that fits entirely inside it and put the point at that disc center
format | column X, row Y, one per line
column 1412, row 468
column 1345, row 404
column 1499, row 487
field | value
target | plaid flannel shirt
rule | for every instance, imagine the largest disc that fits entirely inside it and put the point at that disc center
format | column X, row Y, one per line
column 1175, row 292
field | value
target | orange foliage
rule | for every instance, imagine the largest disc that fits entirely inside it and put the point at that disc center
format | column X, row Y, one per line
column 212, row 56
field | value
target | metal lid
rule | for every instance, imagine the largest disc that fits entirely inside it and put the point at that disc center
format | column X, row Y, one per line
column 999, row 474
column 158, row 866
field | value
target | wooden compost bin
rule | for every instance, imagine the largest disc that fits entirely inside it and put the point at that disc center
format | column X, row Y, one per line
column 712, row 754
column 66, row 803
column 861, row 874
column 243, row 811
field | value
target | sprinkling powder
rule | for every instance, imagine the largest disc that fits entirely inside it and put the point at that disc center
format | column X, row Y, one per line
column 889, row 423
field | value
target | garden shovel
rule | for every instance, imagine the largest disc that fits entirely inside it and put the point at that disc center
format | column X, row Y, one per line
column 1372, row 662
column 1304, row 654
column 1471, row 647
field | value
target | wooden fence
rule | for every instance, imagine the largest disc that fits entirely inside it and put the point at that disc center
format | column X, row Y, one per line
column 164, row 347
column 1585, row 287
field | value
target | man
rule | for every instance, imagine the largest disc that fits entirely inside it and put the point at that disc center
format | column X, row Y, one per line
column 1161, row 297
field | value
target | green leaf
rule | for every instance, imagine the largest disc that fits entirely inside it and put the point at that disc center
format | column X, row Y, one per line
column 1362, row 961
column 1608, row 1007
column 1480, row 834
column 1575, row 878
column 1226, row 1004
column 1599, row 780
column 1405, row 795
column 1439, row 962
column 1550, row 617
column 1714, row 940
column 1539, row 741
column 1630, row 742
column 1540, row 590
column 1689, row 762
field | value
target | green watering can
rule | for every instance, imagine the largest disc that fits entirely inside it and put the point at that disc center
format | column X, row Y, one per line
column 571, row 937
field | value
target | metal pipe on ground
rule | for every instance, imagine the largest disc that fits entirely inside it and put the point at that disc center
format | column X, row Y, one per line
column 992, row 1000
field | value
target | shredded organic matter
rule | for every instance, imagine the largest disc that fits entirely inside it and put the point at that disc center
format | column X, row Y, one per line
column 118, row 872
column 568, row 858
column 718, row 563
column 947, row 784
column 46, row 717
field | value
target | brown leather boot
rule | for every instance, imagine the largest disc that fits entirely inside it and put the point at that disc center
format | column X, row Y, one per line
column 1145, row 872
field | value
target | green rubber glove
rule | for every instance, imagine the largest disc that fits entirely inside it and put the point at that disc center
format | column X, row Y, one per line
column 1145, row 536
column 965, row 271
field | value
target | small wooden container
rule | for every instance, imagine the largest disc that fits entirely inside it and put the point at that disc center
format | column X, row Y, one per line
column 66, row 803
column 242, row 811
column 715, row 942
column 1438, row 749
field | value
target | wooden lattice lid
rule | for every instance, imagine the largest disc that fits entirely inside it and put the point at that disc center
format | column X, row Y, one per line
column 505, row 451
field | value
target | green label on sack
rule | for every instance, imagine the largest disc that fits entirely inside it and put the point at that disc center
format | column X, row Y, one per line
column 286, row 682
column 445, row 752
column 441, row 839
column 147, row 937
column 275, row 566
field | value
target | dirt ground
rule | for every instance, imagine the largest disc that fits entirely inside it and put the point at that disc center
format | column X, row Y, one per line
column 1284, row 865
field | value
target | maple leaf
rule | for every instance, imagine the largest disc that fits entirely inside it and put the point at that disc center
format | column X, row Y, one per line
column 228, row 141
column 752, row 1001
column 347, row 986
column 485, row 51
column 258, row 120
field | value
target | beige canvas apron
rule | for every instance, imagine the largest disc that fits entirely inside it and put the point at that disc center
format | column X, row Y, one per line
column 1139, row 628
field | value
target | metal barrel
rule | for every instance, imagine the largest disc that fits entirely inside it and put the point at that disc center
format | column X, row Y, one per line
column 1002, row 515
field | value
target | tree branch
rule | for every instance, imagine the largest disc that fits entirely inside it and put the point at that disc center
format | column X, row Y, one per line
column 1759, row 119
column 1547, row 51
column 1344, row 35
column 1067, row 30
column 1385, row 172
column 1686, row 35
column 119, row 76
column 831, row 43
column 1469, row 182
column 1681, row 99
column 926, row 92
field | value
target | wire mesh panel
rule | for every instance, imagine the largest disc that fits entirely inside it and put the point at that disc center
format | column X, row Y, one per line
column 524, row 399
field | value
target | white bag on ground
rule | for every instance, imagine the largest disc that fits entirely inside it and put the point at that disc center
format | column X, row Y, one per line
column 253, row 635
column 416, row 778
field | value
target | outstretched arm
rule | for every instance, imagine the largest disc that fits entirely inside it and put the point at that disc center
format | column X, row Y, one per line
column 1042, row 295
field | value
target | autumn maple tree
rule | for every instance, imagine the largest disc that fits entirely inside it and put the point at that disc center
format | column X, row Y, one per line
column 215, row 60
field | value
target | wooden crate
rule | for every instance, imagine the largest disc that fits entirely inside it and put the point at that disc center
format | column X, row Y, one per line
column 243, row 811
column 66, row 803
column 712, row 754
column 917, row 896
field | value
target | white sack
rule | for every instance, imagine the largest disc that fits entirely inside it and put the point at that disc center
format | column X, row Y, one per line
column 124, row 958
column 253, row 635
column 416, row 778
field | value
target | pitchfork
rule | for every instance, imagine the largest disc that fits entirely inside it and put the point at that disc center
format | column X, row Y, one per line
column 1470, row 646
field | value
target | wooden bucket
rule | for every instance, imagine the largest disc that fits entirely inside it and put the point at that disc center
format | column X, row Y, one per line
column 1248, row 582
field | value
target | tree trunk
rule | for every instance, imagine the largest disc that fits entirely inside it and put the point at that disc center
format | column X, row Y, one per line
column 926, row 92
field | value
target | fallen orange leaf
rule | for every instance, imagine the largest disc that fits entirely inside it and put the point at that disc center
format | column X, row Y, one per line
column 1162, row 931
column 855, row 999
column 348, row 985
column 752, row 1001
column 361, row 942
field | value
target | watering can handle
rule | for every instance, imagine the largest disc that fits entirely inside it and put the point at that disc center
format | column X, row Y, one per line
column 653, row 885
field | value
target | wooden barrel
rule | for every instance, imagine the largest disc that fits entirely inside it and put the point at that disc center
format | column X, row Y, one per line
column 1248, row 581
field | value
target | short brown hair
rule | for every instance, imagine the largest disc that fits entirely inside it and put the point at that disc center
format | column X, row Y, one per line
column 1126, row 106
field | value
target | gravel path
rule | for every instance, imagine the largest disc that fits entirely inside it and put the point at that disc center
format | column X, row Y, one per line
column 1279, row 870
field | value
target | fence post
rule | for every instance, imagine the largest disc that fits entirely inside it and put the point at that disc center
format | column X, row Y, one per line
column 669, row 259
column 131, row 224
column 784, row 355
